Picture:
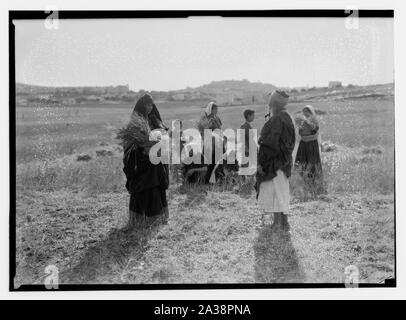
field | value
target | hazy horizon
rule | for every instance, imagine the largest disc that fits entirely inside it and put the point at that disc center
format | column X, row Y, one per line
column 173, row 54
column 107, row 85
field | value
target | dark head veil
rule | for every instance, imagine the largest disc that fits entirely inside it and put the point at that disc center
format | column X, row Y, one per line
column 155, row 112
column 141, row 105
column 154, row 117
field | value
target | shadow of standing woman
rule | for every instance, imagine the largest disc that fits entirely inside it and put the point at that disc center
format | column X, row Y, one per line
column 110, row 255
column 275, row 257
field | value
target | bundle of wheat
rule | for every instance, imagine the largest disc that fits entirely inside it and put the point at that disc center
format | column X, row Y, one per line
column 135, row 133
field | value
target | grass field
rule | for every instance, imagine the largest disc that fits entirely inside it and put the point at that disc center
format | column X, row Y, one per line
column 71, row 213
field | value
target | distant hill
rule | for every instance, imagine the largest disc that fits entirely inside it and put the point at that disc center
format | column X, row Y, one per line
column 240, row 85
column 214, row 86
column 349, row 92
column 225, row 92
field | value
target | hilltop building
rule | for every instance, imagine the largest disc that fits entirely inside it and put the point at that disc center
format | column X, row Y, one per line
column 334, row 84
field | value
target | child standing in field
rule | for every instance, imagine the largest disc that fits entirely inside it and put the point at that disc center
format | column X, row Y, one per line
column 176, row 168
column 249, row 116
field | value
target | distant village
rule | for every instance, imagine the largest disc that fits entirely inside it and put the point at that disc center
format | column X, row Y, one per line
column 224, row 93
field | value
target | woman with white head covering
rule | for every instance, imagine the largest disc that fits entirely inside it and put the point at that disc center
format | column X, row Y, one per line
column 308, row 158
column 209, row 119
column 276, row 145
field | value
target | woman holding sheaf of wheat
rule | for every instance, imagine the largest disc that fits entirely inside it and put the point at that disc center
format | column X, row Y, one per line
column 146, row 182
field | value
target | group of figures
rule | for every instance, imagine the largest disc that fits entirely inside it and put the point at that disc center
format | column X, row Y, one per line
column 284, row 142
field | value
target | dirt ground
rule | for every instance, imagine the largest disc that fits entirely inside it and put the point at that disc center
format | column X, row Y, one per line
column 210, row 238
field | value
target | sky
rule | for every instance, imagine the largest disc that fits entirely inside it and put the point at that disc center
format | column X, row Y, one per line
column 170, row 54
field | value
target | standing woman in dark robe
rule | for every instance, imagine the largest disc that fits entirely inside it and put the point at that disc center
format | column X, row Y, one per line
column 308, row 158
column 276, row 145
column 146, row 182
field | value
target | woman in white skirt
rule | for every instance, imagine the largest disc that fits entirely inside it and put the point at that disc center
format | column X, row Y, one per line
column 276, row 145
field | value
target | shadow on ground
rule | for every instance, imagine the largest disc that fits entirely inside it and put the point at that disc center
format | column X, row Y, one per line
column 275, row 258
column 195, row 194
column 109, row 255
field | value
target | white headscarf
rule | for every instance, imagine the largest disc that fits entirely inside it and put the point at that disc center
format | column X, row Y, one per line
column 209, row 108
column 311, row 109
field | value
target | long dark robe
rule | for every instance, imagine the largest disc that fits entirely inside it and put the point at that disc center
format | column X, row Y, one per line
column 146, row 182
column 276, row 144
column 308, row 161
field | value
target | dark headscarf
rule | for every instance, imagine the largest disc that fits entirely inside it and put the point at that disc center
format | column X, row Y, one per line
column 154, row 118
column 155, row 112
column 141, row 105
column 141, row 174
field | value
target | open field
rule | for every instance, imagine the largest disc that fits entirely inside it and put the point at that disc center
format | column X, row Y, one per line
column 71, row 213
column 48, row 133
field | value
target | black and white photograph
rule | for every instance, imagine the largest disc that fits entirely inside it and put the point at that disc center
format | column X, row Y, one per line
column 175, row 149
